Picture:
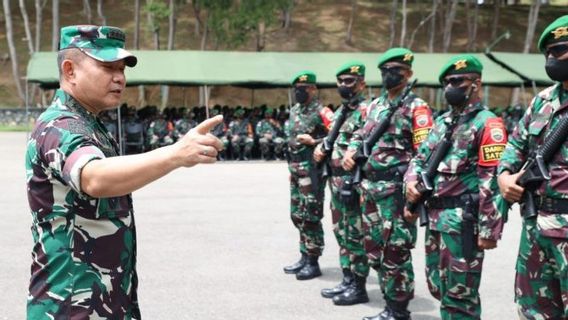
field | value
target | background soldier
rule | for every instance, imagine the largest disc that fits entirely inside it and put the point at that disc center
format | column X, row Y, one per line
column 463, row 219
column 270, row 135
column 242, row 135
column 306, row 129
column 159, row 132
column 388, row 237
column 541, row 284
column 185, row 123
column 346, row 213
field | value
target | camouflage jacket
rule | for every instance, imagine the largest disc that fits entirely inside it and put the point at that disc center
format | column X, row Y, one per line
column 304, row 119
column 540, row 118
column 84, row 252
column 353, row 122
column 270, row 126
column 160, row 128
column 409, row 126
column 469, row 167
column 241, row 128
column 182, row 126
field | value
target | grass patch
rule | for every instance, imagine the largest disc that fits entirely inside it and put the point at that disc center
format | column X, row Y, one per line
column 6, row 128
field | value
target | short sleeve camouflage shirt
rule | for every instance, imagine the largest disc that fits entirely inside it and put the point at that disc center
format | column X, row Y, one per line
column 84, row 252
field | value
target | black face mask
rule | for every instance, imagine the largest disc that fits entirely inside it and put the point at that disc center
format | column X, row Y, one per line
column 392, row 79
column 556, row 69
column 456, row 97
column 301, row 94
column 346, row 93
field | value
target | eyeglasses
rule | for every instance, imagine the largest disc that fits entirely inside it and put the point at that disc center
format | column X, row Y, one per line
column 395, row 69
column 347, row 81
column 455, row 81
column 557, row 51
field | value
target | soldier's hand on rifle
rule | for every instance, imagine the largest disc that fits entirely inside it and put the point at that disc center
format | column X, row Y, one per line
column 409, row 216
column 412, row 194
column 348, row 163
column 508, row 186
column 486, row 244
column 305, row 139
column 318, row 154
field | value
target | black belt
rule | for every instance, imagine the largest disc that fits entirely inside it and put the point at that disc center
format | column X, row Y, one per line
column 449, row 202
column 552, row 205
column 339, row 172
column 306, row 155
column 391, row 174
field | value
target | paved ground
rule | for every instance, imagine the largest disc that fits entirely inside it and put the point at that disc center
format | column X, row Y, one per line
column 212, row 243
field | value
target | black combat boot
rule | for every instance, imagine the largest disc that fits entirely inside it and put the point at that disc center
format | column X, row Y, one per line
column 294, row 268
column 395, row 310
column 341, row 287
column 356, row 293
column 310, row 270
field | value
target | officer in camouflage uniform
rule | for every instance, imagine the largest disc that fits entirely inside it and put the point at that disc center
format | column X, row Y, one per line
column 79, row 189
column 307, row 127
column 184, row 124
column 388, row 237
column 270, row 134
column 346, row 213
column 242, row 135
column 541, row 283
column 462, row 211
column 160, row 132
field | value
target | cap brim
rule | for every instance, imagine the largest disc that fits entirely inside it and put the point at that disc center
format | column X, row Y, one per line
column 112, row 55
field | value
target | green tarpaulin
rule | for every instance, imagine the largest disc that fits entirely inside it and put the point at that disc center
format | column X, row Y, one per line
column 528, row 66
column 263, row 69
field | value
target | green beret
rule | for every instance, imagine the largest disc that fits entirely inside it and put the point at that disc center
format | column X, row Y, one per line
column 460, row 64
column 102, row 43
column 239, row 112
column 401, row 55
column 557, row 31
column 304, row 77
column 352, row 67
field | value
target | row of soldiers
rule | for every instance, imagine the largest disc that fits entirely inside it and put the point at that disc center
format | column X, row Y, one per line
column 388, row 162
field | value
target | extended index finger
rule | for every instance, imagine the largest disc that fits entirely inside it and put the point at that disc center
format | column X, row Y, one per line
column 208, row 125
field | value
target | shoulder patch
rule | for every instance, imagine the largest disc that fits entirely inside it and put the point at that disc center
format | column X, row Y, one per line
column 492, row 143
column 421, row 124
column 326, row 115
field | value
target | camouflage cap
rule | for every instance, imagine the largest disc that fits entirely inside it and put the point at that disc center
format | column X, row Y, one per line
column 352, row 67
column 557, row 31
column 460, row 64
column 102, row 43
column 401, row 55
column 305, row 76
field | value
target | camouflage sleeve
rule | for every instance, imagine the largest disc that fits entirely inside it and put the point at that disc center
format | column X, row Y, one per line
column 493, row 138
column 67, row 149
column 259, row 130
column 517, row 147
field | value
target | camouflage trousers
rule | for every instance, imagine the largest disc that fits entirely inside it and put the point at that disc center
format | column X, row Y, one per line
column 348, row 229
column 451, row 278
column 388, row 240
column 306, row 207
column 541, row 281
column 242, row 145
column 265, row 143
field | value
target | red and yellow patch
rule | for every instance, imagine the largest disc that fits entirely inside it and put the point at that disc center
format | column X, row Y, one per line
column 326, row 115
column 492, row 143
column 421, row 124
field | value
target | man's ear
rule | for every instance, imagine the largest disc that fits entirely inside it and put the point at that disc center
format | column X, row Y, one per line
column 410, row 73
column 68, row 70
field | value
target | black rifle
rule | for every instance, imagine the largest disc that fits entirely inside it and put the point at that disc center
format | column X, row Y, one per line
column 329, row 140
column 425, row 181
column 364, row 152
column 536, row 170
